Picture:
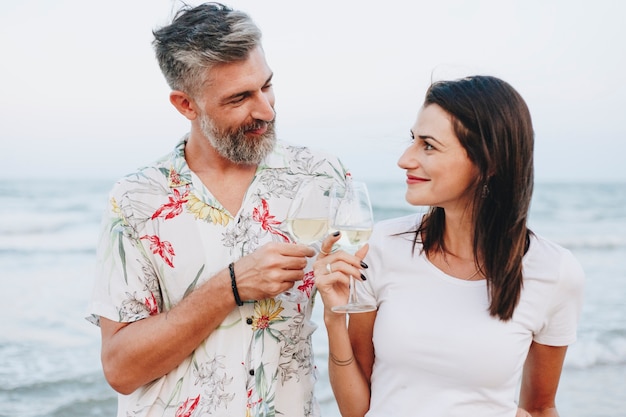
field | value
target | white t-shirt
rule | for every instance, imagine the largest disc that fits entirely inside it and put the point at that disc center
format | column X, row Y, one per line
column 438, row 351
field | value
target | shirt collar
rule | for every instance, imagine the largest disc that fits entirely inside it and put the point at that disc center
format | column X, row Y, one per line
column 180, row 174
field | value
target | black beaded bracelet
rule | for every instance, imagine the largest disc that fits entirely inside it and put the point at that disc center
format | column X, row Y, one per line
column 233, row 284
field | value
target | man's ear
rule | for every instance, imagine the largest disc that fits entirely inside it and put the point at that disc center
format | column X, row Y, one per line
column 184, row 104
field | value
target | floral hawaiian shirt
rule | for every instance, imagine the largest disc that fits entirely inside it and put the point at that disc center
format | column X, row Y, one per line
column 163, row 235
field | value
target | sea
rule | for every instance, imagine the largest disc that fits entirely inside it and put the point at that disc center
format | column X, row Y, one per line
column 49, row 353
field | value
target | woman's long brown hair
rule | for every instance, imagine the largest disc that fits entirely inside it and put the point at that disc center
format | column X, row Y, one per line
column 493, row 124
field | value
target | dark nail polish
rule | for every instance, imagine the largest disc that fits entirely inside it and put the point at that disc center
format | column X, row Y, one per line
column 337, row 233
column 364, row 265
column 363, row 277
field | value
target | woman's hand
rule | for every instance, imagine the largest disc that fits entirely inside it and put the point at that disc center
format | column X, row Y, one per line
column 522, row 413
column 333, row 270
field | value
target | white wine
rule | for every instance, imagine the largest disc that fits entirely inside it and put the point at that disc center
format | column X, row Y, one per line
column 353, row 219
column 352, row 238
column 308, row 231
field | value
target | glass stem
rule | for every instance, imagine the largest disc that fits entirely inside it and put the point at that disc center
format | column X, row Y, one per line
column 352, row 299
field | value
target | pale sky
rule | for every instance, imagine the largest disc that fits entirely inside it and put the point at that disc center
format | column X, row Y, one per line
column 82, row 94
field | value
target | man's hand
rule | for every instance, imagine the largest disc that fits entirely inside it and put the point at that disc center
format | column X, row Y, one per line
column 271, row 270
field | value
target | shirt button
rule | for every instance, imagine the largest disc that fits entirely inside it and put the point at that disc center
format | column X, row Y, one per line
column 249, row 320
column 252, row 372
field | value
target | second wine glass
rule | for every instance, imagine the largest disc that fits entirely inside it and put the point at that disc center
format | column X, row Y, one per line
column 307, row 221
column 351, row 214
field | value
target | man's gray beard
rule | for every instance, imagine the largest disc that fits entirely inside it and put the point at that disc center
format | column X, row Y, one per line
column 235, row 146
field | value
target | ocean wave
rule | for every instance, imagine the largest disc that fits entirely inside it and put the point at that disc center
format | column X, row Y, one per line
column 85, row 395
column 599, row 350
column 78, row 238
column 33, row 230
column 592, row 242
column 27, row 387
column 29, row 223
column 382, row 213
column 88, row 407
column 30, row 252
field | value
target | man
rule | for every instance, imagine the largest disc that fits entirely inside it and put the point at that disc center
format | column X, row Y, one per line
column 191, row 256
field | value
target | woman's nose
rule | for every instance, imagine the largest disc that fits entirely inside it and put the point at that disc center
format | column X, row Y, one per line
column 407, row 160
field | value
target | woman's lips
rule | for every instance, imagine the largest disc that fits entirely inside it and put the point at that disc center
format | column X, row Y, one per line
column 412, row 179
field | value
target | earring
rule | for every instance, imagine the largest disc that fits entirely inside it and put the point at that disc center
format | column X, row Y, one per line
column 485, row 191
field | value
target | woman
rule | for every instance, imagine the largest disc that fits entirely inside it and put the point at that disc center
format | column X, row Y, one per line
column 471, row 303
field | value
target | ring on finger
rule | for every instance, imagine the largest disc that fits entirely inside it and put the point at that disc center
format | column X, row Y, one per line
column 323, row 252
column 329, row 268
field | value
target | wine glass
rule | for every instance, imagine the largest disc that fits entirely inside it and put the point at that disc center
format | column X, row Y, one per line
column 307, row 221
column 351, row 214
column 307, row 217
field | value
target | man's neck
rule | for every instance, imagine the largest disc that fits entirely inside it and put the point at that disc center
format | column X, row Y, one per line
column 226, row 180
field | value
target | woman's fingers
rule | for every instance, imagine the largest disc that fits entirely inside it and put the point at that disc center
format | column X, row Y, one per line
column 327, row 244
column 362, row 251
column 343, row 267
column 328, row 262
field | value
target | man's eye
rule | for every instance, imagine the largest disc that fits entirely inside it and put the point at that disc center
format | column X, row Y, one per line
column 238, row 99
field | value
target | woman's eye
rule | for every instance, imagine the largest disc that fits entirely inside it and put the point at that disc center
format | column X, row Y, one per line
column 428, row 146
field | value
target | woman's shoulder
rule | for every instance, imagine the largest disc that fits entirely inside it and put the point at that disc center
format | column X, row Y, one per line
column 547, row 248
column 397, row 226
column 402, row 224
column 546, row 257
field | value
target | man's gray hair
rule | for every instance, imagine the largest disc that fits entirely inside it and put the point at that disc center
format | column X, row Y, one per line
column 199, row 38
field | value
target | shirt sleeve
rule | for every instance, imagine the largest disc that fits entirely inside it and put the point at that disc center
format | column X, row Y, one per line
column 560, row 326
column 388, row 241
column 123, row 278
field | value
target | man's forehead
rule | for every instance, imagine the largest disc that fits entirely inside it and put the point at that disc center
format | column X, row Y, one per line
column 239, row 76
